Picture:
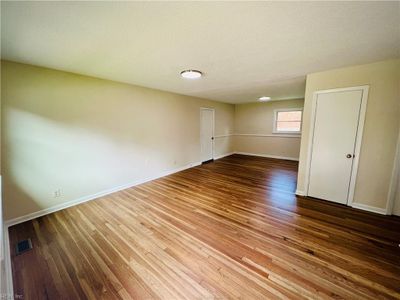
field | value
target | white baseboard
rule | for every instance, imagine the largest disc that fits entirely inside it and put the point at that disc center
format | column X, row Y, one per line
column 7, row 255
column 223, row 155
column 365, row 207
column 83, row 199
column 268, row 156
column 373, row 209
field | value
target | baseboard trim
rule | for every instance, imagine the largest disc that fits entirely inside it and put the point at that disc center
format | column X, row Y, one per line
column 224, row 155
column 268, row 156
column 300, row 193
column 369, row 208
column 87, row 198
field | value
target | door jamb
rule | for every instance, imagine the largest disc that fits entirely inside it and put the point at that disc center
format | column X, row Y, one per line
column 213, row 130
column 359, row 136
column 394, row 186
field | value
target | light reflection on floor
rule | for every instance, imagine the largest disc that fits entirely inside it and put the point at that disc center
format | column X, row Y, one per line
column 282, row 185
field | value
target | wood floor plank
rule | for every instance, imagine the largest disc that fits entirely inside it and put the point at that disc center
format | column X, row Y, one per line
column 232, row 228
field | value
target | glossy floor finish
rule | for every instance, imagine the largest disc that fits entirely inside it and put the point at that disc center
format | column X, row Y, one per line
column 228, row 229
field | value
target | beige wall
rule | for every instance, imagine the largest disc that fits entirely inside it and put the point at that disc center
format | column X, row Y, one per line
column 84, row 135
column 254, row 126
column 380, row 129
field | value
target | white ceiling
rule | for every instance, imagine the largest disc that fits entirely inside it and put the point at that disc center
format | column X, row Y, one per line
column 245, row 49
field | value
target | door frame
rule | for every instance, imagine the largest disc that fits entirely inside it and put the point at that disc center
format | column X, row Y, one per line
column 359, row 135
column 394, row 187
column 213, row 130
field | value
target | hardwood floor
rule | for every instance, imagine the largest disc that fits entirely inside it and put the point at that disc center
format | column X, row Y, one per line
column 228, row 229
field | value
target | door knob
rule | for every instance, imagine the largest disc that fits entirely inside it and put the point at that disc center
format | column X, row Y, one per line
column 349, row 155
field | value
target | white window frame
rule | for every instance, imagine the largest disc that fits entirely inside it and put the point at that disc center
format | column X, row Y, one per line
column 276, row 111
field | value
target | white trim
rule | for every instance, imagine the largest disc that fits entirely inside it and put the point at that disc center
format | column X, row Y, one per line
column 259, row 135
column 83, row 199
column 357, row 150
column 359, row 136
column 345, row 89
column 269, row 135
column 1, row 227
column 268, row 156
column 276, row 111
column 224, row 155
column 213, row 131
column 394, row 182
column 310, row 144
column 6, row 282
column 7, row 255
column 373, row 209
column 9, row 288
column 299, row 193
column 87, row 198
column 223, row 135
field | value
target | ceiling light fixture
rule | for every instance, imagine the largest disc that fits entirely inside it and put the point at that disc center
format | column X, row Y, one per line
column 191, row 74
column 264, row 98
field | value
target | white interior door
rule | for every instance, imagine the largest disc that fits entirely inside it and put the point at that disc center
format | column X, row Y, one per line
column 206, row 133
column 333, row 147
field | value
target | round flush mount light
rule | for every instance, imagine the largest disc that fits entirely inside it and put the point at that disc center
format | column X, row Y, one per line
column 191, row 74
column 264, row 98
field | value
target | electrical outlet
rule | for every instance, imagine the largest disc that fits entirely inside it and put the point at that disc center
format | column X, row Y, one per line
column 57, row 193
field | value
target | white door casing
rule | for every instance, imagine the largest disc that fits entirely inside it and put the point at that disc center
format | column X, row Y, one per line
column 396, row 208
column 206, row 134
column 394, row 194
column 335, row 143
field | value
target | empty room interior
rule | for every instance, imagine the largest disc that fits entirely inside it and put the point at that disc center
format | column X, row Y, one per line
column 200, row 150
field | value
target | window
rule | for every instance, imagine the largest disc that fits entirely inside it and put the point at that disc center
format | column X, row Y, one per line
column 288, row 120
